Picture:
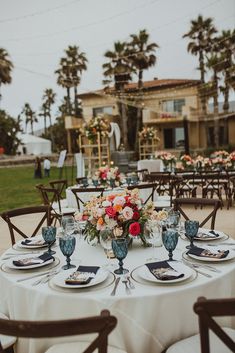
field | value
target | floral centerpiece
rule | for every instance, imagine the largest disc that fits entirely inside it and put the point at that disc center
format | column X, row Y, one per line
column 230, row 161
column 148, row 133
column 220, row 154
column 187, row 161
column 123, row 214
column 109, row 175
column 203, row 162
column 95, row 125
column 167, row 158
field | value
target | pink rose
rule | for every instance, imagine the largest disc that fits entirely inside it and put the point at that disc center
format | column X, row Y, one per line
column 134, row 228
column 110, row 211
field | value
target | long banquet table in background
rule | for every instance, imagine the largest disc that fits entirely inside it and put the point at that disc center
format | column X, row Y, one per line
column 149, row 320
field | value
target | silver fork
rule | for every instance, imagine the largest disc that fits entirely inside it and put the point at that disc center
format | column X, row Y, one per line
column 131, row 284
column 45, row 278
column 125, row 281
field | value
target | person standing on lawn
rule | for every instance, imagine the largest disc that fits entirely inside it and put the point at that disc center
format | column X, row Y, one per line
column 37, row 168
column 47, row 167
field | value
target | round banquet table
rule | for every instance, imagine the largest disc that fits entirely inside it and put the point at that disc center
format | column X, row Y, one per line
column 149, row 320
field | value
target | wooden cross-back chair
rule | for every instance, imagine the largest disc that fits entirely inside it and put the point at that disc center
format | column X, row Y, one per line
column 149, row 190
column 186, row 187
column 102, row 325
column 212, row 337
column 181, row 203
column 213, row 185
column 207, row 310
column 60, row 184
column 82, row 194
column 51, row 196
column 10, row 217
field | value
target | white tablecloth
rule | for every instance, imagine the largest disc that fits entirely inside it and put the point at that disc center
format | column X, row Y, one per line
column 149, row 320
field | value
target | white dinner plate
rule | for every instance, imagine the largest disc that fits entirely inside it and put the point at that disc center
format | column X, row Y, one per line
column 10, row 264
column 144, row 273
column 30, row 246
column 230, row 256
column 205, row 235
column 59, row 280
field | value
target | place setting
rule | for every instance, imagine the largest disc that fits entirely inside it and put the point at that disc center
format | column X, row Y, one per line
column 165, row 272
column 31, row 261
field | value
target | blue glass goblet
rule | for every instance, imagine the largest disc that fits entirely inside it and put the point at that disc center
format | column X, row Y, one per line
column 170, row 240
column 191, row 229
column 112, row 183
column 49, row 235
column 95, row 182
column 120, row 250
column 128, row 180
column 67, row 246
column 84, row 182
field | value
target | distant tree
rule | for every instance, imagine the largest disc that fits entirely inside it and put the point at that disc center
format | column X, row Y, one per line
column 6, row 67
column 201, row 35
column 142, row 57
column 69, row 74
column 44, row 113
column 30, row 116
column 9, row 128
column 118, row 69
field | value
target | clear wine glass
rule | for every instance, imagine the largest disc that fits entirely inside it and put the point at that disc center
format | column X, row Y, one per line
column 67, row 219
column 152, row 234
column 106, row 237
column 191, row 230
column 120, row 250
column 170, row 240
column 49, row 235
column 67, row 246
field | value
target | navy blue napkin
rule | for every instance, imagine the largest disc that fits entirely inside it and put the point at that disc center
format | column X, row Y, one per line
column 74, row 279
column 200, row 252
column 160, row 269
column 33, row 260
column 31, row 242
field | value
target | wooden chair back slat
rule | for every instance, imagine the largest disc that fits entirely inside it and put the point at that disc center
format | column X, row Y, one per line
column 102, row 325
column 207, row 309
column 10, row 216
column 78, row 191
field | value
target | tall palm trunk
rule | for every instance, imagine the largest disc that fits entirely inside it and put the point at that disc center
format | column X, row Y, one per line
column 123, row 113
column 139, row 120
column 216, row 111
column 75, row 100
column 68, row 101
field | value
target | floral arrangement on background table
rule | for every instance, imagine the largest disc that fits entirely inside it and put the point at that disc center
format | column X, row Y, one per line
column 95, row 125
column 123, row 214
column 168, row 159
column 187, row 161
column 148, row 133
column 109, row 175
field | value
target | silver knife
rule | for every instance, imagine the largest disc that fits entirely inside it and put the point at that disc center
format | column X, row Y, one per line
column 115, row 286
column 34, row 276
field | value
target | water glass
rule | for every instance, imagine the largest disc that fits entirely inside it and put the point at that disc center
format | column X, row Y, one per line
column 105, row 238
column 120, row 250
column 67, row 246
column 49, row 235
column 67, row 219
column 191, row 229
column 173, row 219
column 153, row 230
column 170, row 240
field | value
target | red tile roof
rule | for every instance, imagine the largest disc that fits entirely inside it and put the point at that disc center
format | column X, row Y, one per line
column 148, row 85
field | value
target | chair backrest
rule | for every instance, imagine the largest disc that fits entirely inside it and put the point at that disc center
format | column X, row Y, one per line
column 79, row 191
column 102, row 325
column 181, row 203
column 150, row 189
column 49, row 195
column 44, row 213
column 206, row 309
column 61, row 185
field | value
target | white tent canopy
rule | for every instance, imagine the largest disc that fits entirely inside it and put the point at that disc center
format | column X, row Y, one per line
column 31, row 144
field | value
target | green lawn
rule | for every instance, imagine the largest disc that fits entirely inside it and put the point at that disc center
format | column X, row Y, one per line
column 17, row 185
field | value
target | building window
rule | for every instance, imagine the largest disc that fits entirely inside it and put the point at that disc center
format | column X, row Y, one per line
column 173, row 106
column 223, row 138
column 174, row 137
column 102, row 110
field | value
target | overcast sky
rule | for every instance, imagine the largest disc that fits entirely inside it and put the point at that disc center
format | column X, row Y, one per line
column 35, row 34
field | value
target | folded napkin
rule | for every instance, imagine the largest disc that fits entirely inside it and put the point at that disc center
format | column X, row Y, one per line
column 207, row 234
column 33, row 260
column 83, row 275
column 33, row 242
column 163, row 271
column 215, row 254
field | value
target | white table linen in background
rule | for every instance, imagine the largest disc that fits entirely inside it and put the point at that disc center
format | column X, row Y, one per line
column 153, row 165
column 149, row 320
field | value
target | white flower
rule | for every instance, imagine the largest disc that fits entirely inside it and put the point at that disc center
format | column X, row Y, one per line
column 106, row 203
column 127, row 213
column 110, row 222
column 119, row 200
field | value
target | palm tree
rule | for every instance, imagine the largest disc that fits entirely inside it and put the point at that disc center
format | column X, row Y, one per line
column 226, row 46
column 30, row 116
column 78, row 63
column 201, row 34
column 6, row 67
column 44, row 113
column 49, row 100
column 142, row 58
column 64, row 80
column 118, row 70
